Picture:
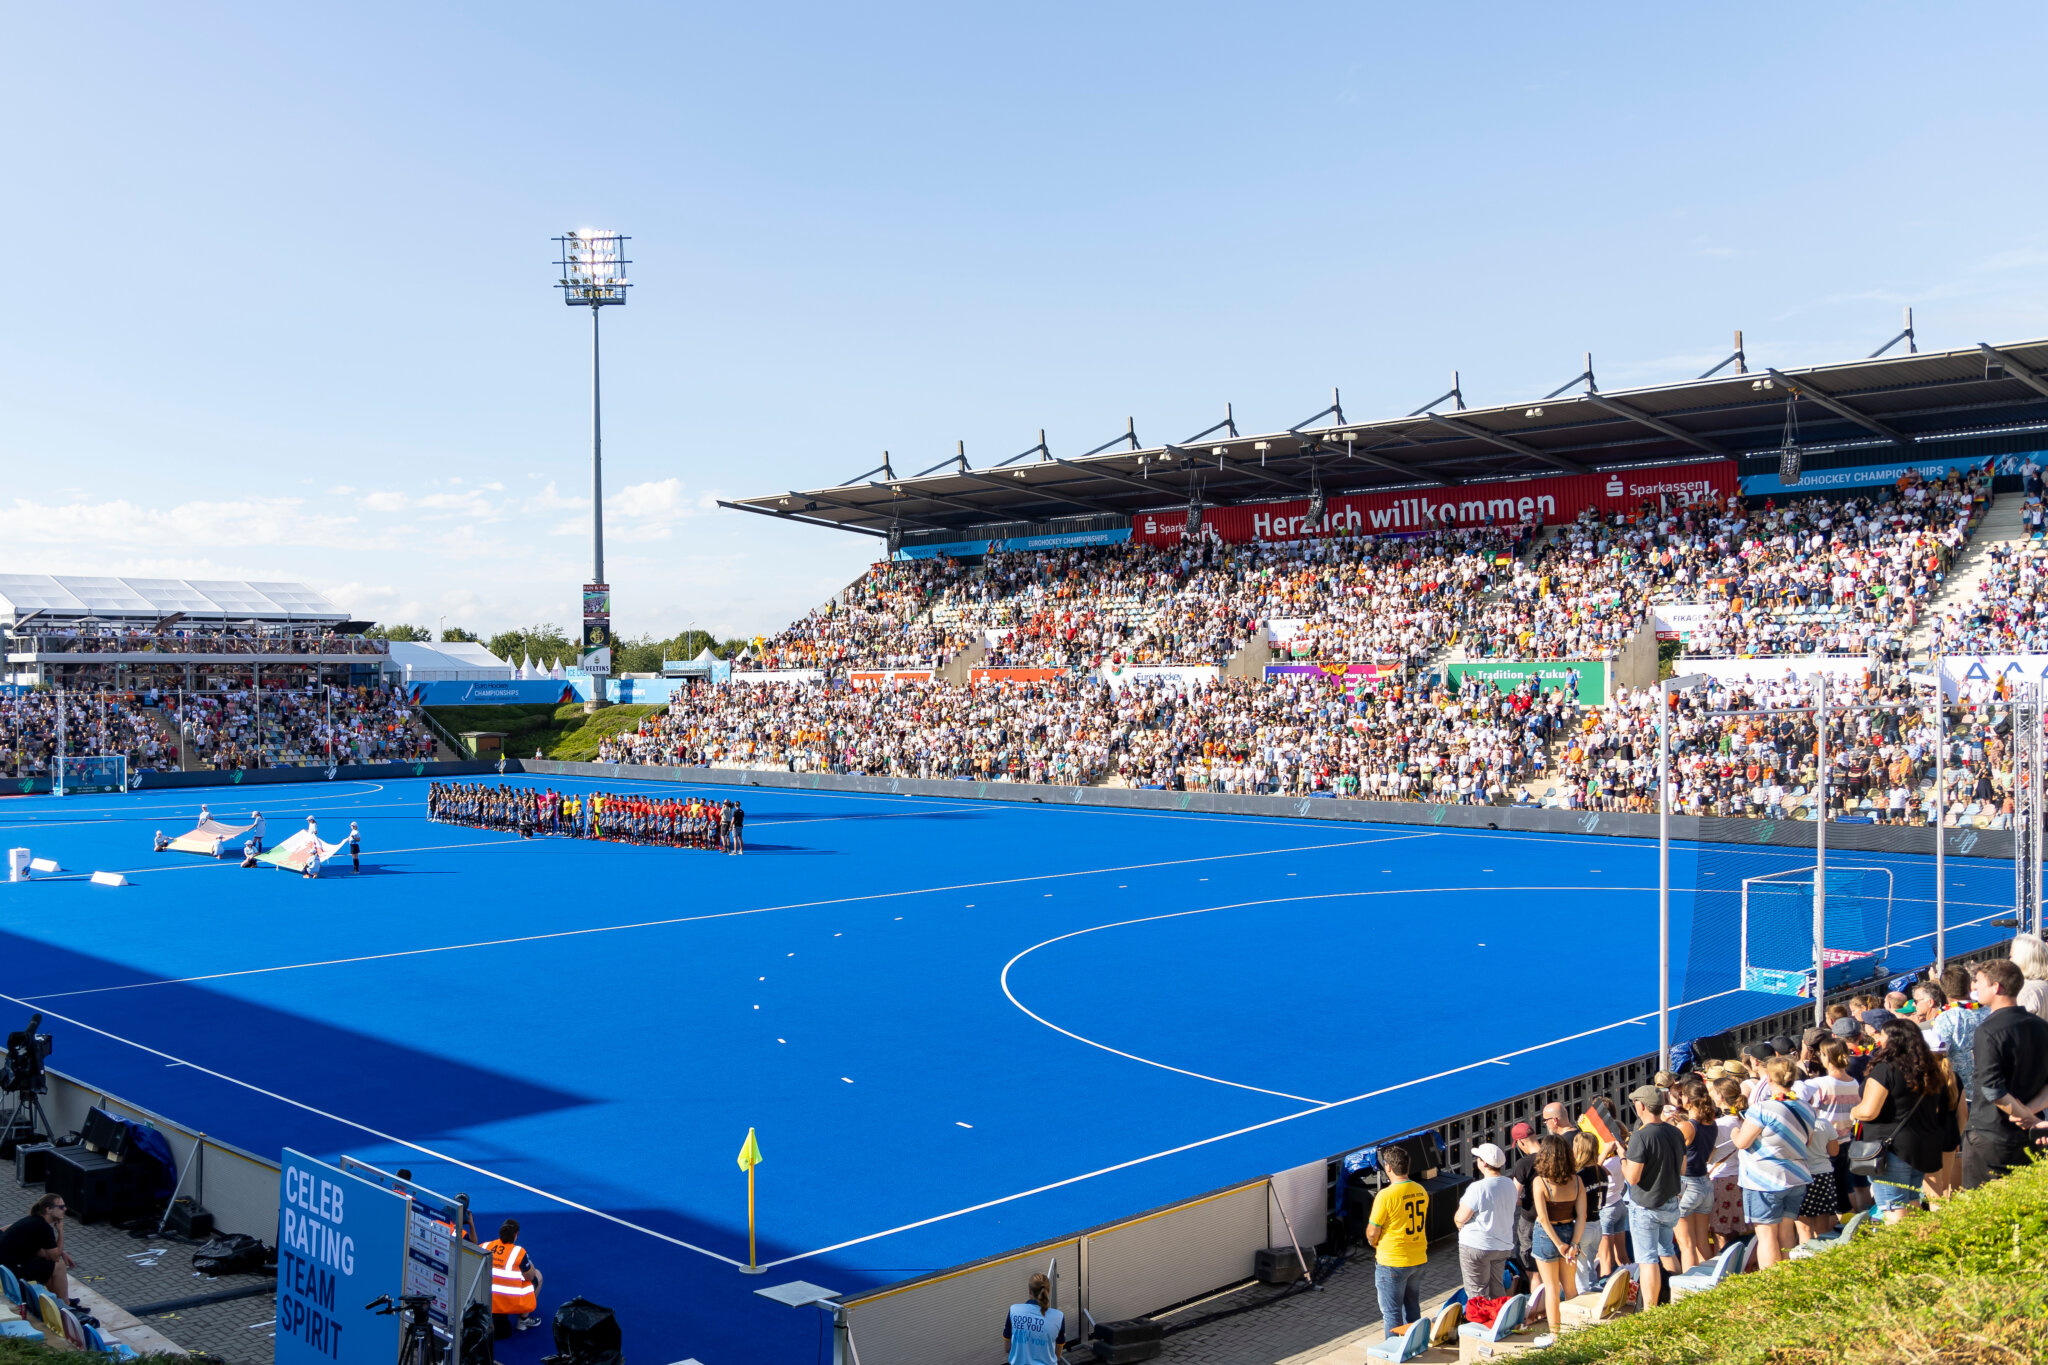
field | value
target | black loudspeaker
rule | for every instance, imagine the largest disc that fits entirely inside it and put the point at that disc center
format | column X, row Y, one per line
column 1119, row 1355
column 105, row 1134
column 1716, row 1047
column 92, row 1186
column 29, row 1162
column 189, row 1220
column 1128, row 1332
column 587, row 1334
column 1276, row 1265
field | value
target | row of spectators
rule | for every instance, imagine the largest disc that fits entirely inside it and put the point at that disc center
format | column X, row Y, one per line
column 1747, row 1159
column 278, row 728
column 1816, row 575
column 109, row 639
column 1347, row 597
column 879, row 621
column 2008, row 613
column 1313, row 733
column 92, row 724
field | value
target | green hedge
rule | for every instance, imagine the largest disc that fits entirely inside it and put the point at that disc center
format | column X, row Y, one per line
column 1967, row 1285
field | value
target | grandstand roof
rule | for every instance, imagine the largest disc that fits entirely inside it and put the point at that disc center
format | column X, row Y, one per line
column 1895, row 403
column 67, row 598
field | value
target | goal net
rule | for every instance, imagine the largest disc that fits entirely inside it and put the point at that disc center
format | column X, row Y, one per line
column 1778, row 955
column 81, row 774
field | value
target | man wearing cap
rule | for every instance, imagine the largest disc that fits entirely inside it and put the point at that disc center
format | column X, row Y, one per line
column 1653, row 1166
column 1486, row 1223
column 1522, row 1170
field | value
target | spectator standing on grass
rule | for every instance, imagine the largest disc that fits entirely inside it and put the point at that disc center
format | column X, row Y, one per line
column 1956, row 1024
column 1905, row 1106
column 1522, row 1170
column 33, row 1248
column 1832, row 1096
column 1697, row 1115
column 1592, row 1232
column 1398, row 1231
column 2032, row 956
column 1773, row 1140
column 1486, row 1223
column 1724, row 1166
column 1654, row 1168
column 2012, row 1069
column 1560, row 1204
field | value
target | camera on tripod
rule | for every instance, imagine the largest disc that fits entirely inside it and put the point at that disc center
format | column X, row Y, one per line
column 23, row 1082
column 22, row 1072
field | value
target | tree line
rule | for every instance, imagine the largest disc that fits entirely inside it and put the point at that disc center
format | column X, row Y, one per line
column 546, row 642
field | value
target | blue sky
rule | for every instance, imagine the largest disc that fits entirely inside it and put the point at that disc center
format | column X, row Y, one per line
column 281, row 299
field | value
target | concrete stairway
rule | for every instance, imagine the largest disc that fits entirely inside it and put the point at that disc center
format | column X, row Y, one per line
column 2001, row 526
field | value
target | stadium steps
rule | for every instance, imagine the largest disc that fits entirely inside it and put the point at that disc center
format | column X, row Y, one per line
column 2001, row 526
column 960, row 665
column 165, row 721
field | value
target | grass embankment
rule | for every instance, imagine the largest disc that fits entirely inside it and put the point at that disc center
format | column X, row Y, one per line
column 1965, row 1286
column 536, row 731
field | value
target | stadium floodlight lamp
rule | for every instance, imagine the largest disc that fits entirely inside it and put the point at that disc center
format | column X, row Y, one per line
column 593, row 266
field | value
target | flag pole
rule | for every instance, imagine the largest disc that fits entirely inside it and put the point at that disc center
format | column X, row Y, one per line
column 750, row 1157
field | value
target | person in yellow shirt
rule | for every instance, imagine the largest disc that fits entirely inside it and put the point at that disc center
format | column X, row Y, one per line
column 1398, row 1231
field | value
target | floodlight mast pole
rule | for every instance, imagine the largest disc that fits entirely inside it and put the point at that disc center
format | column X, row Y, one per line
column 597, row 681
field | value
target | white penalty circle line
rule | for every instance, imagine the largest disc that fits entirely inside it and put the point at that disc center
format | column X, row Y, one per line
column 1004, row 977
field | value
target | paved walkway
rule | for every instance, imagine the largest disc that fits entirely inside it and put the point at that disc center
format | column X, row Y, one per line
column 1302, row 1330
column 121, row 1270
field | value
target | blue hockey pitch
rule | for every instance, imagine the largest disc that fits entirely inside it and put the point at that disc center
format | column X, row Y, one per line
column 958, row 1026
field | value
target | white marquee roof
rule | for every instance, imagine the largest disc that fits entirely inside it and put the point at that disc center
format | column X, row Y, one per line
column 62, row 597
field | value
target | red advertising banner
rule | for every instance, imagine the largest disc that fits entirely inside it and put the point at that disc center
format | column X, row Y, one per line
column 1546, row 500
column 987, row 675
column 898, row 675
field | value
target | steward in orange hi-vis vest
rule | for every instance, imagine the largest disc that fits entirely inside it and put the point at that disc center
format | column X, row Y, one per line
column 515, row 1281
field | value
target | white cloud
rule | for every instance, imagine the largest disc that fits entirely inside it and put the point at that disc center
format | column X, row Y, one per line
column 189, row 525
column 385, row 501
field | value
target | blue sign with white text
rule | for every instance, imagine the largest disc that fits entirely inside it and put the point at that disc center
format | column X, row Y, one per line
column 340, row 1244
column 1878, row 475
column 977, row 547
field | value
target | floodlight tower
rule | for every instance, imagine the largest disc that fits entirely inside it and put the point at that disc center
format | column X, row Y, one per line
column 593, row 265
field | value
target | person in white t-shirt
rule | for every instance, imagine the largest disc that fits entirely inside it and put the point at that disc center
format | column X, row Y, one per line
column 1486, row 1223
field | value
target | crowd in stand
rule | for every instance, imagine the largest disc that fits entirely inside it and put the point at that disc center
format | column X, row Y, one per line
column 1382, row 740
column 2008, row 613
column 1881, row 757
column 877, row 622
column 283, row 728
column 1299, row 734
column 93, row 724
column 1821, row 575
column 1744, row 1163
column 109, row 639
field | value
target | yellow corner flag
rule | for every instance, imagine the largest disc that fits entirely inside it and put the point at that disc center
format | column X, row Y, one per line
column 750, row 1157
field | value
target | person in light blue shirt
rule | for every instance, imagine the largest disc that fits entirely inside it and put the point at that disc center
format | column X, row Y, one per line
column 1036, row 1331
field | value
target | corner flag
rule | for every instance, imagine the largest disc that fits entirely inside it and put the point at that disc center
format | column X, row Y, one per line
column 750, row 1157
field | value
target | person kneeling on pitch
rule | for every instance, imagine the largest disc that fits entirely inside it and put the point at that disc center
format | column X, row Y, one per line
column 515, row 1282
column 249, row 852
column 162, row 843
